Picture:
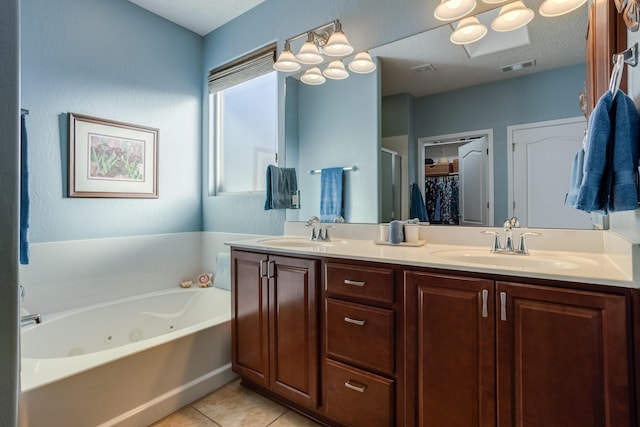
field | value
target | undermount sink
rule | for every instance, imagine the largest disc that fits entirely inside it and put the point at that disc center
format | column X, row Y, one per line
column 293, row 242
column 515, row 261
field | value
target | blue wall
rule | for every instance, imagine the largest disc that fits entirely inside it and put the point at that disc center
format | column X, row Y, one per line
column 113, row 60
column 338, row 127
column 543, row 96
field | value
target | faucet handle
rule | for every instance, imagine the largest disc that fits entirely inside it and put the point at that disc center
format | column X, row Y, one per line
column 522, row 246
column 495, row 245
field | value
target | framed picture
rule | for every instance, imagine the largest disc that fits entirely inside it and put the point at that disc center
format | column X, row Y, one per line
column 112, row 159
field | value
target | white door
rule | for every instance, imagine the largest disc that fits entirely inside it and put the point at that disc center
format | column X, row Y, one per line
column 540, row 162
column 473, row 167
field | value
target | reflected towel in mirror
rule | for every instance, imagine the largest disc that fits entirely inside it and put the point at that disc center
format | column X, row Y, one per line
column 281, row 184
column 331, row 194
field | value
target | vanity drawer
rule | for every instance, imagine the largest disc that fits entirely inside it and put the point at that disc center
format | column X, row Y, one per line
column 358, row 398
column 372, row 283
column 360, row 334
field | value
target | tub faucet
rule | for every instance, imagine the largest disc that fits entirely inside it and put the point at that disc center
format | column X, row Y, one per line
column 30, row 319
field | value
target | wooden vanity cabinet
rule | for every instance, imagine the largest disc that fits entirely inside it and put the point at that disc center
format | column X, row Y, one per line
column 488, row 353
column 275, row 324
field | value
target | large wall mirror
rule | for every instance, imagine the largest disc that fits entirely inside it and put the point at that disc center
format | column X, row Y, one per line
column 430, row 104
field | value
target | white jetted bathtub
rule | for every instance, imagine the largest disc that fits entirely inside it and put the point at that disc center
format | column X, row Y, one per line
column 128, row 362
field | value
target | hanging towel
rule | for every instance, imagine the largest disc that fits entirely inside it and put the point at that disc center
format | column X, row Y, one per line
column 576, row 178
column 330, row 194
column 590, row 194
column 623, row 191
column 281, row 184
column 611, row 157
column 24, row 194
column 418, row 207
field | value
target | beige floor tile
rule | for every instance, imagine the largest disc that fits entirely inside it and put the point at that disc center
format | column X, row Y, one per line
column 236, row 406
column 291, row 419
column 186, row 417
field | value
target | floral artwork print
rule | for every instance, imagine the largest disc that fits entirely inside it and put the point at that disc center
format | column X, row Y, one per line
column 116, row 158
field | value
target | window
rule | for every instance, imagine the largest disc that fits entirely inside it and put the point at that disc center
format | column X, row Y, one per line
column 244, row 126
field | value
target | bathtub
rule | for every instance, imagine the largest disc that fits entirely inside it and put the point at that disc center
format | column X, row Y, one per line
column 128, row 362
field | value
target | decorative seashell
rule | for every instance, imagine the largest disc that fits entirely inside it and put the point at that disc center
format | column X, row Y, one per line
column 204, row 280
column 186, row 284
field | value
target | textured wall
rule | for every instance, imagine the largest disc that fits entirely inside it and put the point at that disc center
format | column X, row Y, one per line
column 114, row 60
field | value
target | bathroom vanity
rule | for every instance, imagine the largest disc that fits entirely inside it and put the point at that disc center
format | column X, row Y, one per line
column 354, row 334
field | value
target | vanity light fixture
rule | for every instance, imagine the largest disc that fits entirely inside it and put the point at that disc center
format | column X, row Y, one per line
column 469, row 30
column 287, row 62
column 553, row 8
column 512, row 16
column 313, row 77
column 326, row 40
column 450, row 10
column 362, row 63
column 309, row 53
column 337, row 45
column 336, row 70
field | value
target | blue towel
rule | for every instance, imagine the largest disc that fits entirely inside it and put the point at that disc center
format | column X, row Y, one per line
column 396, row 232
column 330, row 194
column 611, row 157
column 576, row 178
column 24, row 194
column 623, row 190
column 281, row 183
column 418, row 208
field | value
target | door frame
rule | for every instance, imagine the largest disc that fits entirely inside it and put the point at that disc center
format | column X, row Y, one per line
column 451, row 137
column 511, row 147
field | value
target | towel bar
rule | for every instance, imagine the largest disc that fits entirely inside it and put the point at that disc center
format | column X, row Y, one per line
column 319, row 171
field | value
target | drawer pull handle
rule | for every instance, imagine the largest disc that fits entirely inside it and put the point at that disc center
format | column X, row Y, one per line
column 485, row 297
column 354, row 321
column 353, row 282
column 358, row 388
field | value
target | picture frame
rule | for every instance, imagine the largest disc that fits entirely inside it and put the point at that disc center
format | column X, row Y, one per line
column 112, row 159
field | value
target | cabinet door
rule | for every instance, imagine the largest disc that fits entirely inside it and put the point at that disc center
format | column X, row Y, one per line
column 250, row 320
column 562, row 357
column 293, row 315
column 454, row 349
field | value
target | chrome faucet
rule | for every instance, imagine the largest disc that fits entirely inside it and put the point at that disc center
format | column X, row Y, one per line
column 313, row 221
column 509, row 248
column 30, row 319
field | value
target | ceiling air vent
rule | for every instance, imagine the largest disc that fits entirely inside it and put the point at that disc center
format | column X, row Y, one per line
column 423, row 69
column 518, row 66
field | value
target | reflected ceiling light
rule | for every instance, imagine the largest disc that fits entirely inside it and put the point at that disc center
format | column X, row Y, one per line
column 552, row 8
column 313, row 76
column 337, row 45
column 336, row 70
column 450, row 10
column 362, row 63
column 309, row 53
column 286, row 61
column 512, row 16
column 493, row 1
column 469, row 30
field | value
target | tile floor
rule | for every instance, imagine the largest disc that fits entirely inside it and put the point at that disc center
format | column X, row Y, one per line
column 234, row 406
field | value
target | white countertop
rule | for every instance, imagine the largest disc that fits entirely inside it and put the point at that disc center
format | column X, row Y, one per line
column 593, row 266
